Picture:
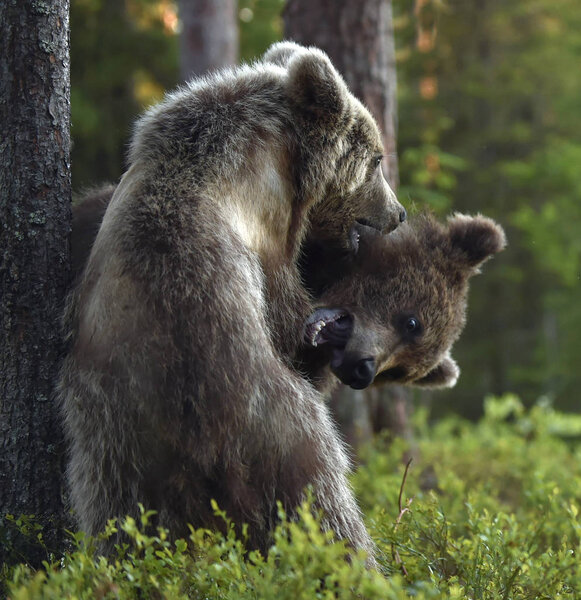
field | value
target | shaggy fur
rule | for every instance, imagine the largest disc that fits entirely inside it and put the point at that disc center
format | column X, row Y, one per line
column 88, row 213
column 177, row 387
column 385, row 268
column 391, row 309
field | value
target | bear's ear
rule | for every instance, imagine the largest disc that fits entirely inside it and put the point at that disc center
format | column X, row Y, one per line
column 281, row 52
column 315, row 86
column 444, row 375
column 475, row 238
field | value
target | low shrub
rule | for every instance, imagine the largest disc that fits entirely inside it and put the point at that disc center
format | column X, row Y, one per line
column 486, row 511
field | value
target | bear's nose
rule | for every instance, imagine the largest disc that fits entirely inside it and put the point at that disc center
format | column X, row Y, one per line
column 362, row 374
column 403, row 215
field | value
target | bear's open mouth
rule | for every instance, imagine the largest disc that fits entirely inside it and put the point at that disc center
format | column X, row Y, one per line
column 328, row 326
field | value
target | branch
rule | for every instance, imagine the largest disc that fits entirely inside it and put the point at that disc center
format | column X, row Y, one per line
column 402, row 511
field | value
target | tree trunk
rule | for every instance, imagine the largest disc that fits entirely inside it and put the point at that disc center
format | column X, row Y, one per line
column 209, row 35
column 358, row 37
column 34, row 261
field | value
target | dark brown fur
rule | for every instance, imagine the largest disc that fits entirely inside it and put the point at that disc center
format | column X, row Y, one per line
column 88, row 212
column 403, row 297
column 176, row 388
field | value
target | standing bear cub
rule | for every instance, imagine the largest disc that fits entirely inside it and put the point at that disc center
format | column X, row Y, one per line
column 391, row 308
column 177, row 387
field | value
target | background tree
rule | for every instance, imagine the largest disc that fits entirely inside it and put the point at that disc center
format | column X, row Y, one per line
column 208, row 37
column 124, row 55
column 359, row 39
column 34, row 264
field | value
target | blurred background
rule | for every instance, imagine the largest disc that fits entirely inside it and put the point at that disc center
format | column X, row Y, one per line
column 488, row 120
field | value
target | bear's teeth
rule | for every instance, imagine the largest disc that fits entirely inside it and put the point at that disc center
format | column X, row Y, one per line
column 316, row 332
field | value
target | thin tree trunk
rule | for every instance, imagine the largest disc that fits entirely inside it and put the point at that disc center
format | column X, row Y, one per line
column 209, row 35
column 358, row 37
column 34, row 259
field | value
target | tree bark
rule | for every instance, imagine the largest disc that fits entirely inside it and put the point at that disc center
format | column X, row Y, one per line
column 358, row 37
column 34, row 260
column 209, row 36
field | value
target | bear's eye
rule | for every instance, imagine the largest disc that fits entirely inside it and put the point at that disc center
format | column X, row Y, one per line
column 377, row 161
column 409, row 326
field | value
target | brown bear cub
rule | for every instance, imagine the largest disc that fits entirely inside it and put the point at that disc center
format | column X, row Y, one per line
column 391, row 309
column 177, row 387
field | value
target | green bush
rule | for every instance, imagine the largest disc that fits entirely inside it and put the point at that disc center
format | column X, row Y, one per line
column 486, row 511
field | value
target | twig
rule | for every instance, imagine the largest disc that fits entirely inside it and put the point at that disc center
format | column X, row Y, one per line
column 402, row 511
column 405, row 474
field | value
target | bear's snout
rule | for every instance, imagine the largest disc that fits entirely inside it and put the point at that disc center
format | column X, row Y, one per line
column 354, row 371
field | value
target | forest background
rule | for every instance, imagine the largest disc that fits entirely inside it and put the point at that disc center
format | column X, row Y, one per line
column 489, row 121
column 489, row 111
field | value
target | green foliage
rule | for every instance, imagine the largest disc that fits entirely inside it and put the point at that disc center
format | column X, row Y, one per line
column 123, row 57
column 494, row 509
column 17, row 531
column 488, row 511
column 20, row 537
column 555, row 169
column 491, row 83
column 260, row 25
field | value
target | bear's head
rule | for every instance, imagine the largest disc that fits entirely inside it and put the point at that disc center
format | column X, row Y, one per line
column 401, row 303
column 282, row 142
column 338, row 167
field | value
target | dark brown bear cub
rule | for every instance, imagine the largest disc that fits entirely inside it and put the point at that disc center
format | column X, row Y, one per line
column 391, row 309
